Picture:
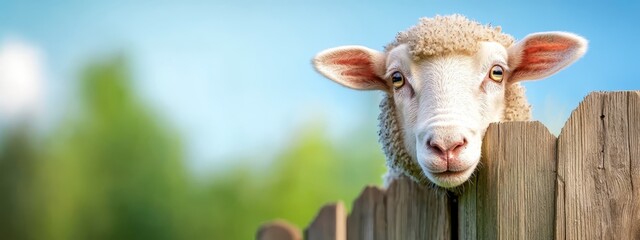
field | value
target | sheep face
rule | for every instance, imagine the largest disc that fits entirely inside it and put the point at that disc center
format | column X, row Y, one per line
column 445, row 102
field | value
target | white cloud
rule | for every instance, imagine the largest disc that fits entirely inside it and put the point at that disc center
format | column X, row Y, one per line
column 21, row 79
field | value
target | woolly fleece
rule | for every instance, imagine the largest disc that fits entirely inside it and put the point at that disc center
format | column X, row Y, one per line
column 442, row 35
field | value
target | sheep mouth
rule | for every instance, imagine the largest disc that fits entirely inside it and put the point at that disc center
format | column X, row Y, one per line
column 448, row 174
column 450, row 170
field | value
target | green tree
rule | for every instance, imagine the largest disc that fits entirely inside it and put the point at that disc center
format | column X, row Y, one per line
column 18, row 158
column 115, row 171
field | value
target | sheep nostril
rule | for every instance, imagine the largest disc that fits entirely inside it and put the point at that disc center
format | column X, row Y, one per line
column 435, row 147
column 459, row 145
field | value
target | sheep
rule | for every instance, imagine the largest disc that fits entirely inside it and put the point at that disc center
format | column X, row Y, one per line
column 445, row 80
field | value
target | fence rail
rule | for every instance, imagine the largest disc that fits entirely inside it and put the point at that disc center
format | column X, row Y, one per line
column 584, row 184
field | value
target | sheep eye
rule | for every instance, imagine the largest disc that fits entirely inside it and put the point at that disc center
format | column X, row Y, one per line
column 496, row 73
column 397, row 79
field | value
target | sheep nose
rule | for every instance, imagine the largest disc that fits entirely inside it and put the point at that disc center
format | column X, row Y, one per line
column 447, row 150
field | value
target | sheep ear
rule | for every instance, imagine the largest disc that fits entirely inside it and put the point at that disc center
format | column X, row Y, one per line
column 355, row 67
column 540, row 55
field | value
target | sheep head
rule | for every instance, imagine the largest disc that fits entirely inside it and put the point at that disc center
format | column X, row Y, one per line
column 447, row 78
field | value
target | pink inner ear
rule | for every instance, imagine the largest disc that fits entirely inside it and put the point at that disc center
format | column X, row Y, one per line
column 359, row 73
column 357, row 64
column 541, row 54
column 352, row 59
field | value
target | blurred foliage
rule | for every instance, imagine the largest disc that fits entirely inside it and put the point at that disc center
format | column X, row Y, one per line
column 117, row 171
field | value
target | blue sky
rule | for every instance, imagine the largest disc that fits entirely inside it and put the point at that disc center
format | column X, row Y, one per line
column 235, row 77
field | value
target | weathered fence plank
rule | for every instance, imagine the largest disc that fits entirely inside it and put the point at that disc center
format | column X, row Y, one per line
column 513, row 194
column 408, row 217
column 634, row 156
column 367, row 220
column 599, row 169
column 329, row 224
column 278, row 230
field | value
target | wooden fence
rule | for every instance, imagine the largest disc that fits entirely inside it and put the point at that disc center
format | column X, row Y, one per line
column 584, row 184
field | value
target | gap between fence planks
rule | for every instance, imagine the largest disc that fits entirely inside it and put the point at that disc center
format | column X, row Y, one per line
column 531, row 185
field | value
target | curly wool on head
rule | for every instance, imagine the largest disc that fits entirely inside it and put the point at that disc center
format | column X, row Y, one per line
column 439, row 36
column 442, row 35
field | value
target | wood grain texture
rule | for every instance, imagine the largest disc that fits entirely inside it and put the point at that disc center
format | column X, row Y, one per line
column 468, row 212
column 513, row 194
column 634, row 161
column 329, row 224
column 415, row 212
column 367, row 220
column 278, row 230
column 599, row 169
